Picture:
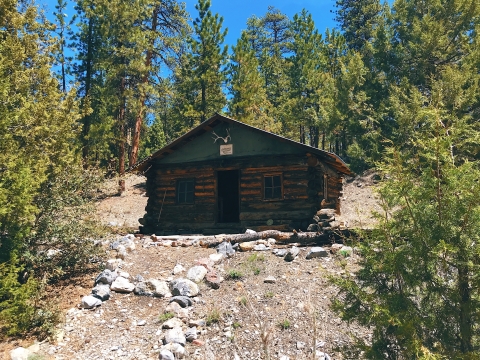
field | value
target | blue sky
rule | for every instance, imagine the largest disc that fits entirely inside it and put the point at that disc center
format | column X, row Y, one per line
column 236, row 13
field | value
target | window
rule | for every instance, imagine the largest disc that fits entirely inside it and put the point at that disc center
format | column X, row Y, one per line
column 185, row 191
column 272, row 185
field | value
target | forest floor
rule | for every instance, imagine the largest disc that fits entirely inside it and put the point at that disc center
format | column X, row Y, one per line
column 292, row 314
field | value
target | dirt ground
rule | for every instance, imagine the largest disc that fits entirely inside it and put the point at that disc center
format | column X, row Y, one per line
column 283, row 318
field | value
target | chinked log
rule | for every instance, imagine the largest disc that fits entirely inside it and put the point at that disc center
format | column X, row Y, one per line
column 306, row 238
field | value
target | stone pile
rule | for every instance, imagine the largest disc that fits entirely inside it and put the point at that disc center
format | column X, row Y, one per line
column 324, row 220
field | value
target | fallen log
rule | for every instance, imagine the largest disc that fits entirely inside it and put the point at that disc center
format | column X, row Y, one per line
column 303, row 238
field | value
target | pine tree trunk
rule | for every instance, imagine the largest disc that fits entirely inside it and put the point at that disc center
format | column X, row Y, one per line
column 88, row 80
column 121, row 149
column 302, row 134
column 143, row 96
column 466, row 329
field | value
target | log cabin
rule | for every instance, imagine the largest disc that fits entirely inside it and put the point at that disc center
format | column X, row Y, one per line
column 225, row 176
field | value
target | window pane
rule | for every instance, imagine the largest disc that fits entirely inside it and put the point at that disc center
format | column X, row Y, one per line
column 268, row 193
column 189, row 186
column 277, row 192
column 189, row 197
column 185, row 192
column 276, row 181
column 181, row 187
column 268, row 181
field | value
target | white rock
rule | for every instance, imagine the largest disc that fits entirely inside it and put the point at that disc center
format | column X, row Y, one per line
column 176, row 349
column 172, row 323
column 20, row 353
column 178, row 269
column 89, row 302
column 113, row 264
column 124, row 274
column 217, row 258
column 166, row 355
column 122, row 285
column 175, row 335
column 158, row 288
column 167, row 243
column 271, row 241
column 270, row 280
column 196, row 273
column 121, row 252
column 249, row 231
column 141, row 323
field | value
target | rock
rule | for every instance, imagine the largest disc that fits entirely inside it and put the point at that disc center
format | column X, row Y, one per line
column 316, row 219
column 176, row 349
column 183, row 301
column 166, row 355
column 213, row 279
column 113, row 264
column 121, row 252
column 271, row 241
column 20, row 353
column 198, row 342
column 141, row 289
column 313, row 227
column 247, row 246
column 124, row 274
column 280, row 252
column 292, row 253
column 122, row 285
column 172, row 323
column 142, row 323
column 260, row 247
column 216, row 258
column 167, row 243
column 196, row 273
column 197, row 323
column 173, row 307
column 335, row 248
column 300, row 345
column 226, row 249
column 207, row 263
column 158, row 288
column 89, row 302
column 320, row 355
column 249, row 231
column 191, row 334
column 101, row 291
column 184, row 287
column 316, row 252
column 270, row 280
column 178, row 269
column 326, row 213
column 175, row 335
column 106, row 277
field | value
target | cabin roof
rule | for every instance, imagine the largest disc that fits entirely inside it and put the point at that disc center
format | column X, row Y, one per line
column 329, row 158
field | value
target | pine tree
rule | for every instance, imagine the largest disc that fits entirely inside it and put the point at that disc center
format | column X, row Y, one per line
column 202, row 76
column 249, row 101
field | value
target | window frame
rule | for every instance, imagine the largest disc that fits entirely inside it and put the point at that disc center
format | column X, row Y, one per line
column 177, row 191
column 282, row 197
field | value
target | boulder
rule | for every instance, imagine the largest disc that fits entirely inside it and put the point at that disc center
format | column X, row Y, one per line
column 21, row 353
column 183, row 301
column 335, row 248
column 176, row 349
column 122, row 285
column 247, row 246
column 313, row 227
column 178, row 269
column 166, row 355
column 158, row 288
column 213, row 279
column 89, row 302
column 106, row 277
column 216, row 258
column 172, row 323
column 184, row 287
column 196, row 273
column 191, row 334
column 280, row 252
column 316, row 252
column 260, row 247
column 175, row 335
column 113, row 264
column 226, row 249
column 101, row 291
column 292, row 253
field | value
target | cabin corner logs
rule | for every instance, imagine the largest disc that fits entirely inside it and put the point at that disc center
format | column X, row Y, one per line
column 307, row 184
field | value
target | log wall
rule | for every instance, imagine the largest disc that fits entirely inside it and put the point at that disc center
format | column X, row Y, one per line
column 302, row 195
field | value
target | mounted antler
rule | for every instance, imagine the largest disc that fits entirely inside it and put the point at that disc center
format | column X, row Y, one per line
column 225, row 139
